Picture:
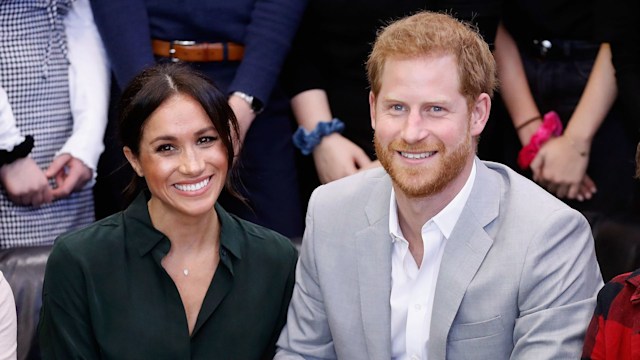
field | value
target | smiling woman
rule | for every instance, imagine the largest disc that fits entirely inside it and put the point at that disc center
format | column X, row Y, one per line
column 174, row 276
column 181, row 158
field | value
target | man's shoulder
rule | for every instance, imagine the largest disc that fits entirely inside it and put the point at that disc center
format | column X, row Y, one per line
column 614, row 286
column 357, row 186
column 351, row 202
column 517, row 190
column 521, row 203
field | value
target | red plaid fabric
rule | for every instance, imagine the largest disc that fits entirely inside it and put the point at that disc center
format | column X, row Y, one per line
column 614, row 331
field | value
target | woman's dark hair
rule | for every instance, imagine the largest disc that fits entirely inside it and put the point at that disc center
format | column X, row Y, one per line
column 156, row 84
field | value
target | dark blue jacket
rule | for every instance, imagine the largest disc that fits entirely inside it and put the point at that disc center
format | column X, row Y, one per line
column 265, row 27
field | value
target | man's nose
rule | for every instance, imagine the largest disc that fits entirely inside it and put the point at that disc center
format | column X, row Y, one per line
column 415, row 128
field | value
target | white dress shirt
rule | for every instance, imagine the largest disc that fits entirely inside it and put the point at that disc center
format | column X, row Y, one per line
column 89, row 81
column 412, row 287
column 9, row 134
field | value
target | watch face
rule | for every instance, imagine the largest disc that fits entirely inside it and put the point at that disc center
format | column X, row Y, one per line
column 257, row 106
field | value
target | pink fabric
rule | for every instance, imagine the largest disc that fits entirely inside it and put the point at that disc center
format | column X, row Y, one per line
column 551, row 127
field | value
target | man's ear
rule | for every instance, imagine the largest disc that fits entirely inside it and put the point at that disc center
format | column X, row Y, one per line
column 133, row 160
column 480, row 114
column 372, row 109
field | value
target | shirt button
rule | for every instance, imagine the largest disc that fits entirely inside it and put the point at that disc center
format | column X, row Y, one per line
column 223, row 252
column 418, row 308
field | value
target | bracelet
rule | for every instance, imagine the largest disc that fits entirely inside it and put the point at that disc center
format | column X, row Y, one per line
column 19, row 151
column 551, row 127
column 527, row 122
column 306, row 141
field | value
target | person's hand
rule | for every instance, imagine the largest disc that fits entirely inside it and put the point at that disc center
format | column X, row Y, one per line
column 561, row 169
column 26, row 183
column 336, row 157
column 371, row 165
column 245, row 116
column 70, row 174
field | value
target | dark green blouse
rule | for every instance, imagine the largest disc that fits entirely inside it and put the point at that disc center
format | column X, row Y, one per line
column 106, row 295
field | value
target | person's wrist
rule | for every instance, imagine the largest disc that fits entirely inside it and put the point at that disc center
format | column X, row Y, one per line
column 580, row 138
column 254, row 103
column 326, row 142
column 537, row 120
column 581, row 146
column 307, row 141
column 525, row 134
column 238, row 104
column 551, row 127
column 19, row 151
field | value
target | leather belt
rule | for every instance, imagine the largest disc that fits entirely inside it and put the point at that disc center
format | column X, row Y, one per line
column 197, row 52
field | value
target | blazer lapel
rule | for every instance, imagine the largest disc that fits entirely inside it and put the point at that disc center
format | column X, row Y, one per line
column 464, row 253
column 373, row 247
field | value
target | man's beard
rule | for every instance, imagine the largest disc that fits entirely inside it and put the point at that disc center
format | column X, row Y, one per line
column 420, row 181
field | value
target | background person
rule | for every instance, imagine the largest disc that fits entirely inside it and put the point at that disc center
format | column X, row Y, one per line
column 239, row 44
column 554, row 56
column 53, row 112
column 614, row 330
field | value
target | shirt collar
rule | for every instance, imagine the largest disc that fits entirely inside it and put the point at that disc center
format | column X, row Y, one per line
column 634, row 281
column 138, row 221
column 446, row 219
column 231, row 234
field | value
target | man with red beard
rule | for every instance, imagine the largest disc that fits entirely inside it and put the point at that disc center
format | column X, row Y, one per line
column 438, row 255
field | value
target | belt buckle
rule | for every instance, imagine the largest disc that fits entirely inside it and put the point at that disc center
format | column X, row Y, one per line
column 172, row 49
column 543, row 46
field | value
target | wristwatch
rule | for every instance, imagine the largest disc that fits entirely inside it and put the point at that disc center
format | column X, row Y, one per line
column 256, row 105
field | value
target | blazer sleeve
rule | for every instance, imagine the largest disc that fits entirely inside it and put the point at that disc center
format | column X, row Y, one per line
column 267, row 41
column 65, row 326
column 124, row 28
column 559, row 283
column 306, row 334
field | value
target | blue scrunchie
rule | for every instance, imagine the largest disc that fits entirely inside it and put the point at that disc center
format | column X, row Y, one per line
column 306, row 141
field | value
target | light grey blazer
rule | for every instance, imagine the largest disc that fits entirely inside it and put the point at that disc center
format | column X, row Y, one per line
column 518, row 278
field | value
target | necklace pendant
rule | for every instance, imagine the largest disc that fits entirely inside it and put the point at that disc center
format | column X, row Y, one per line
column 185, row 272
